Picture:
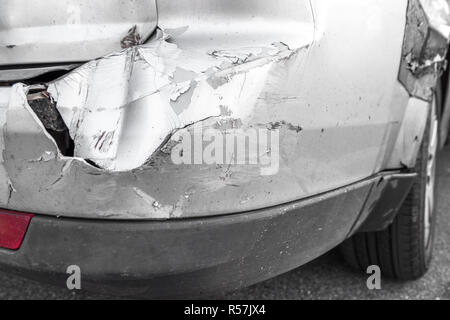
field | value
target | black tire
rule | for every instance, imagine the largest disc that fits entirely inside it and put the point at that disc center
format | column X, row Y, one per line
column 400, row 250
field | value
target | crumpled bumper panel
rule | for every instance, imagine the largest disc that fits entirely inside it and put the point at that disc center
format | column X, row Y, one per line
column 104, row 148
column 154, row 90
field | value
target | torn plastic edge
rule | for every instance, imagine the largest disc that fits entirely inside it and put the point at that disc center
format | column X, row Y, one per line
column 424, row 47
column 283, row 53
column 57, row 154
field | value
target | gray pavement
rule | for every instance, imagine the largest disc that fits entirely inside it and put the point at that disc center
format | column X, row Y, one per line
column 325, row 278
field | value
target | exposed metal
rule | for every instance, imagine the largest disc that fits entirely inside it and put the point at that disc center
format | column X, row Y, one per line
column 120, row 128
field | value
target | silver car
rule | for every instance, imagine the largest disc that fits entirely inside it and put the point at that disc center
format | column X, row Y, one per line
column 179, row 148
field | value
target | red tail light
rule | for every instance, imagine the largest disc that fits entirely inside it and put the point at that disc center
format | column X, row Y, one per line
column 13, row 226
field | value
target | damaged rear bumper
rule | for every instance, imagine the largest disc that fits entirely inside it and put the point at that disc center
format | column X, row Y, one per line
column 290, row 75
column 191, row 257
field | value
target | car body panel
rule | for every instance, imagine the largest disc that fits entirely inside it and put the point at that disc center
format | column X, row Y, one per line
column 16, row 74
column 52, row 31
column 324, row 82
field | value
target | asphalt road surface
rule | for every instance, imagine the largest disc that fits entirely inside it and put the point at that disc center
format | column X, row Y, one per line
column 325, row 278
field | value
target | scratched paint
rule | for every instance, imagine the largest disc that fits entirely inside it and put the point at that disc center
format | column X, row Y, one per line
column 280, row 66
column 120, row 128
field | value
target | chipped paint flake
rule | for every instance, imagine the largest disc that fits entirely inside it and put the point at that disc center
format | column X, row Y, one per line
column 120, row 109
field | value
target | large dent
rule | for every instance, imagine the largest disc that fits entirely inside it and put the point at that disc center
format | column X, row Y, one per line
column 122, row 111
column 121, row 108
column 126, row 111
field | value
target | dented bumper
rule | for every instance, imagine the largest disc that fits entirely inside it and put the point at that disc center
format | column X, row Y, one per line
column 340, row 113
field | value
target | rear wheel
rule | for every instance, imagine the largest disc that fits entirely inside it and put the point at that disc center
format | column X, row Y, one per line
column 403, row 251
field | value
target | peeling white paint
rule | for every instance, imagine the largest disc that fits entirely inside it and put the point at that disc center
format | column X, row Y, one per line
column 274, row 62
column 121, row 108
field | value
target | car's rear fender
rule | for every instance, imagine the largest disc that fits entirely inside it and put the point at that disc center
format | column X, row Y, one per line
column 328, row 89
